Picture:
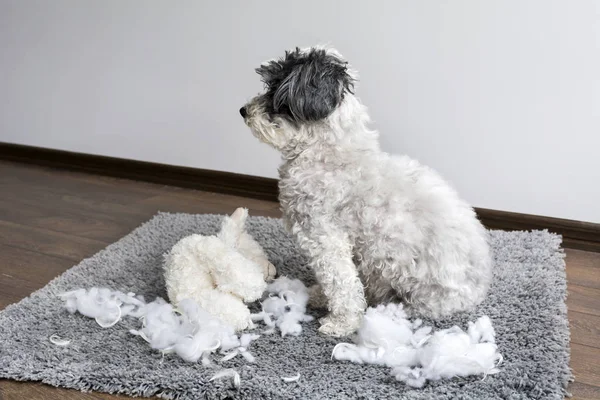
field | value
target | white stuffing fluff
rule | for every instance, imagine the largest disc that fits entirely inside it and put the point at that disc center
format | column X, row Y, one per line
column 105, row 305
column 387, row 337
column 228, row 373
column 285, row 307
column 58, row 341
column 289, row 379
column 188, row 331
column 242, row 349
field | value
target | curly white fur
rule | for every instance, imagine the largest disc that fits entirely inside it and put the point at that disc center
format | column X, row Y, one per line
column 219, row 272
column 376, row 227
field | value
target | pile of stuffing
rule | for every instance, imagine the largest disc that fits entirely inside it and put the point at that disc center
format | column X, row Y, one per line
column 415, row 353
column 187, row 330
column 285, row 307
column 386, row 336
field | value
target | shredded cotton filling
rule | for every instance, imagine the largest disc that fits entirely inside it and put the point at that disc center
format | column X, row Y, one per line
column 386, row 337
column 415, row 353
column 187, row 330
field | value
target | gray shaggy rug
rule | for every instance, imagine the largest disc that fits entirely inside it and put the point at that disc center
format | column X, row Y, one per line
column 526, row 305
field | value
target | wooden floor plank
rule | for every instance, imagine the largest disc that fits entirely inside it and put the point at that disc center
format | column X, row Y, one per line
column 69, row 220
column 236, row 201
column 57, row 244
column 24, row 271
column 74, row 181
column 65, row 201
column 583, row 299
column 585, row 329
column 581, row 391
column 66, row 195
column 587, row 367
column 584, row 268
column 50, row 220
column 170, row 203
column 11, row 390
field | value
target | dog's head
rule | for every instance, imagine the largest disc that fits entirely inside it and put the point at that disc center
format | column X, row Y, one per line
column 302, row 89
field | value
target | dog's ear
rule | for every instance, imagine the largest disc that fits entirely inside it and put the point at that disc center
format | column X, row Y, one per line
column 308, row 86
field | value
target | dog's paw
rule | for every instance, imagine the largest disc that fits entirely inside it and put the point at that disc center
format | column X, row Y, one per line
column 339, row 326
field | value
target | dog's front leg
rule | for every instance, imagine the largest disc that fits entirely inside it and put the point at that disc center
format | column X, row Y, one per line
column 330, row 254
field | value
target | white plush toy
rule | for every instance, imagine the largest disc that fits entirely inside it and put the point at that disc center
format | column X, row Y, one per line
column 220, row 272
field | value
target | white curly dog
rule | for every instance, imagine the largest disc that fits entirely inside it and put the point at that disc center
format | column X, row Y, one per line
column 376, row 228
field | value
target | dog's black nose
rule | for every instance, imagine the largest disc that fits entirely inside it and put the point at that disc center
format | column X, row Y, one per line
column 243, row 112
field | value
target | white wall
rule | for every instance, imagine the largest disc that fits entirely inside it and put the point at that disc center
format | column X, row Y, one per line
column 502, row 97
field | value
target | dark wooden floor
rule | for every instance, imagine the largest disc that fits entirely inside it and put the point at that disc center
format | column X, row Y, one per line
column 51, row 219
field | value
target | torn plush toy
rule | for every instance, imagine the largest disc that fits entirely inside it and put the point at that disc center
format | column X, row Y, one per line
column 221, row 273
column 387, row 337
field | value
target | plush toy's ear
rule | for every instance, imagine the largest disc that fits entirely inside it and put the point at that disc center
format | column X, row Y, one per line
column 239, row 216
column 233, row 226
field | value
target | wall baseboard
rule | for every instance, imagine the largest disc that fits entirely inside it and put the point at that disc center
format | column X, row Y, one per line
column 191, row 178
column 576, row 234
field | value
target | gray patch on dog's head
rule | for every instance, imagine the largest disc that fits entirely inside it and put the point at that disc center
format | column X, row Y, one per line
column 305, row 86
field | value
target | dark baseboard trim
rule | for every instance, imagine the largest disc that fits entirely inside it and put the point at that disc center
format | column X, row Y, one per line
column 191, row 178
column 576, row 234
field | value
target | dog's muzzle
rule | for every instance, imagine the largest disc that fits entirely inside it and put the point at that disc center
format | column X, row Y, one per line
column 243, row 112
